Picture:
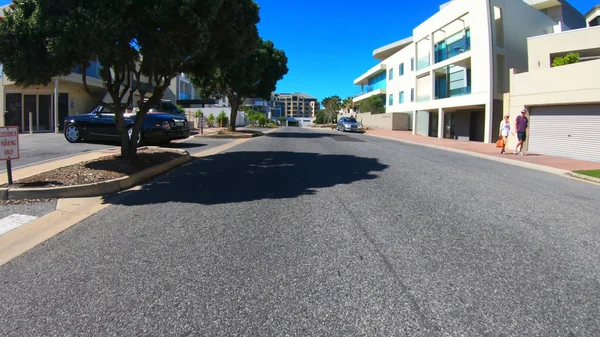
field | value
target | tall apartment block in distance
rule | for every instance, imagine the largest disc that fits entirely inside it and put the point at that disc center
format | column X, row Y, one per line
column 297, row 104
column 451, row 74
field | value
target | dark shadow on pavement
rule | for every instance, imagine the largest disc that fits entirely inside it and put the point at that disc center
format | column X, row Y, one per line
column 247, row 176
column 186, row 145
column 284, row 134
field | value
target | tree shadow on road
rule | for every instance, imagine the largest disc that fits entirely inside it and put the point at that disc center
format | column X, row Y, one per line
column 285, row 134
column 247, row 176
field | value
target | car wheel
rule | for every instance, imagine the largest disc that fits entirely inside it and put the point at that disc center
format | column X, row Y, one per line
column 72, row 133
column 140, row 140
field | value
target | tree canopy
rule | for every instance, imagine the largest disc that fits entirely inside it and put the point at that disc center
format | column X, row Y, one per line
column 255, row 75
column 332, row 106
column 135, row 41
column 373, row 104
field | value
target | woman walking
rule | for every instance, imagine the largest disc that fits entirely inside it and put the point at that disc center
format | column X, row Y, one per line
column 504, row 132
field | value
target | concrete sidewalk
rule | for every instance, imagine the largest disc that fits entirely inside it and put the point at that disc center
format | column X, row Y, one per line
column 488, row 150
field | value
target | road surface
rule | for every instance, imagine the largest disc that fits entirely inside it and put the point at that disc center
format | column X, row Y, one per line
column 306, row 232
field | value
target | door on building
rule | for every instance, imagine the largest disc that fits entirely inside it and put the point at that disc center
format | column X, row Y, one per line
column 44, row 117
column 571, row 131
column 29, row 111
column 63, row 109
column 14, row 110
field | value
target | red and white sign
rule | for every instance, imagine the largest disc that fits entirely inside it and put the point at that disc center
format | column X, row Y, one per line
column 9, row 143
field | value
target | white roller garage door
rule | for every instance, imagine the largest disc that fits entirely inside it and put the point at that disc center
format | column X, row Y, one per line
column 571, row 131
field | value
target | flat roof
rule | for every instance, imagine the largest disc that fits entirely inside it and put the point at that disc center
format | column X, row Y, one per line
column 364, row 78
column 591, row 11
column 391, row 49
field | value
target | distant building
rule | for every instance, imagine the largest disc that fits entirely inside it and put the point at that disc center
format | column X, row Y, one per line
column 297, row 104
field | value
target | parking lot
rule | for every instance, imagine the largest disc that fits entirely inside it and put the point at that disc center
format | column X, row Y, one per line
column 38, row 148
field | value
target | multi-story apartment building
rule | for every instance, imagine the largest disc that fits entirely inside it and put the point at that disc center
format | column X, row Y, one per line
column 451, row 74
column 298, row 104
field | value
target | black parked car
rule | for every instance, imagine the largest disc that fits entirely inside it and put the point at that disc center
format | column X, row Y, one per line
column 100, row 124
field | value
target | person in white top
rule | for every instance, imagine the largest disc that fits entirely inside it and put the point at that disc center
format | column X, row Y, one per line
column 504, row 132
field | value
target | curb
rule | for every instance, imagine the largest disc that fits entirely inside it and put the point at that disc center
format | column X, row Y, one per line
column 572, row 174
column 95, row 189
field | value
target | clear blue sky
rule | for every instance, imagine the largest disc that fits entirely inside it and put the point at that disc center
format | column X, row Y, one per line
column 329, row 43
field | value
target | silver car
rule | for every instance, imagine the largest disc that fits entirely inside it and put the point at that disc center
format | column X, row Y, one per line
column 348, row 124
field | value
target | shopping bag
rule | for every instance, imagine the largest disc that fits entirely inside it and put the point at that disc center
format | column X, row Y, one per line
column 500, row 143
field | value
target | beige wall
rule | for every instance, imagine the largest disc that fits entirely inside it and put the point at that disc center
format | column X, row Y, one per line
column 541, row 47
column 385, row 121
column 566, row 85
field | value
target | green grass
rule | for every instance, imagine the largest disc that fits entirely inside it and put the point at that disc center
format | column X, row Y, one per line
column 591, row 173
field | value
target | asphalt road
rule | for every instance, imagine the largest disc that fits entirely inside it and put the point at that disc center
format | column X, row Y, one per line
column 307, row 232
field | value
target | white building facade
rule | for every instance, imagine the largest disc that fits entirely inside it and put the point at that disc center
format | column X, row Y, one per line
column 451, row 74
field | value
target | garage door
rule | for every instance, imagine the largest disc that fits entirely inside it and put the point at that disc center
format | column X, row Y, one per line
column 566, row 131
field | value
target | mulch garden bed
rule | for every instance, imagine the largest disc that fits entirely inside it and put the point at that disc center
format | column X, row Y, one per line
column 234, row 134
column 98, row 170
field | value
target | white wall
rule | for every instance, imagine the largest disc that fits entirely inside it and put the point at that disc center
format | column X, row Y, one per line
column 401, row 83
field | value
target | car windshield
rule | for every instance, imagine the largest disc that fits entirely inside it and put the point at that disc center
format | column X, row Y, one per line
column 350, row 120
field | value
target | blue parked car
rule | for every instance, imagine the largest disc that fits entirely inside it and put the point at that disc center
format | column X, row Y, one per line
column 100, row 124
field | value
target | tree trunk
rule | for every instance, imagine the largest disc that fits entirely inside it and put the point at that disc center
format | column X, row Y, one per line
column 233, row 115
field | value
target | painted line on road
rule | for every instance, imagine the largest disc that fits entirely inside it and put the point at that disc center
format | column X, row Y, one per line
column 14, row 221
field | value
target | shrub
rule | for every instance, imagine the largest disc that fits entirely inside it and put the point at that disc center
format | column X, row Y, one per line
column 222, row 119
column 567, row 59
column 180, row 109
column 210, row 121
column 198, row 113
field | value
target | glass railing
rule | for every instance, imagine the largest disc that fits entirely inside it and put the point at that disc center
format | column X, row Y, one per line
column 184, row 96
column 460, row 91
column 453, row 46
column 423, row 98
column 423, row 62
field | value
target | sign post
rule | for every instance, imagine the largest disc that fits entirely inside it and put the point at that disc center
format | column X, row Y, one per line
column 9, row 147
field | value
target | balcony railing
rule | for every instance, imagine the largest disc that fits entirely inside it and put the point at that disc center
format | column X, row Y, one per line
column 460, row 91
column 423, row 62
column 423, row 98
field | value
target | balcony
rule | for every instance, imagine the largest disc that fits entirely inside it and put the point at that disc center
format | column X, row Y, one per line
column 453, row 46
column 453, row 80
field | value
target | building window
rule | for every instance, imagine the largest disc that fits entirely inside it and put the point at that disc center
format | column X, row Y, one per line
column 391, row 75
column 412, row 64
column 401, row 71
column 401, row 99
column 412, row 94
column 499, row 26
column 391, row 100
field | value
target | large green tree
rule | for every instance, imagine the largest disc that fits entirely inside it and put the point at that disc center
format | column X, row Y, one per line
column 332, row 106
column 373, row 104
column 348, row 104
column 255, row 75
column 135, row 41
